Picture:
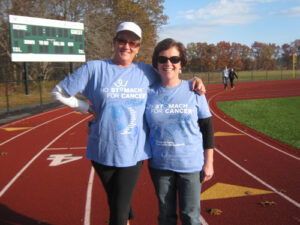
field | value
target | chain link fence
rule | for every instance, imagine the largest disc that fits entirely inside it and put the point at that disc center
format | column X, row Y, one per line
column 17, row 95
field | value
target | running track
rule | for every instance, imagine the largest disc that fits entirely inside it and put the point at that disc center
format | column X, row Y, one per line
column 45, row 179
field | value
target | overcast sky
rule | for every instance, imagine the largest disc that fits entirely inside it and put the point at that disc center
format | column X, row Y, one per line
column 241, row 21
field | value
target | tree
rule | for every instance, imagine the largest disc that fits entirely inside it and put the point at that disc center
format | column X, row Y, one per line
column 266, row 58
column 264, row 55
column 202, row 56
column 100, row 18
column 223, row 54
column 236, row 56
column 287, row 56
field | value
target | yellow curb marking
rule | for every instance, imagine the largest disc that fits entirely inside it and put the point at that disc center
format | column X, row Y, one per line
column 222, row 190
column 220, row 134
column 15, row 128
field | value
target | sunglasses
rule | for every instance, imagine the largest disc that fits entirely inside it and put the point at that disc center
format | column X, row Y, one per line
column 173, row 59
column 122, row 42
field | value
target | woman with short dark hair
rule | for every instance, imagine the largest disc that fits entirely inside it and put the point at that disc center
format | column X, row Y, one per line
column 181, row 152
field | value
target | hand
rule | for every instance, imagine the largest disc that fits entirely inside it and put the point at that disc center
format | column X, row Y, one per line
column 88, row 127
column 198, row 86
column 208, row 171
column 91, row 111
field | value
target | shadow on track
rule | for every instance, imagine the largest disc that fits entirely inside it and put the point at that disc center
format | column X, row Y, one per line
column 10, row 217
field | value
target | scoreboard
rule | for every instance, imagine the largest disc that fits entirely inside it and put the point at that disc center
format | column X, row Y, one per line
column 45, row 40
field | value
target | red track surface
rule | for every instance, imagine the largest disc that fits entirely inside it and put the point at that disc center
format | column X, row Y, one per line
column 45, row 178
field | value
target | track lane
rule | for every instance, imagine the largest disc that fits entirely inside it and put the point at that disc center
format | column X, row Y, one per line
column 275, row 168
column 11, row 131
column 20, row 151
column 44, row 188
column 59, row 195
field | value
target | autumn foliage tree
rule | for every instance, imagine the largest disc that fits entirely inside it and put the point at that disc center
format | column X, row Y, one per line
column 100, row 18
column 260, row 56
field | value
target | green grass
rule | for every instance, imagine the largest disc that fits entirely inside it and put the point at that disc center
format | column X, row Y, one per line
column 254, row 75
column 278, row 118
column 16, row 94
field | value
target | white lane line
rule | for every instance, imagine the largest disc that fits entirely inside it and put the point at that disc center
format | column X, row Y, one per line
column 88, row 204
column 249, row 135
column 71, row 148
column 202, row 220
column 30, row 117
column 20, row 134
column 259, row 180
column 36, row 156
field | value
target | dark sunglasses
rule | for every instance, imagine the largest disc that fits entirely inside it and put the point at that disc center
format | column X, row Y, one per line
column 173, row 59
column 122, row 42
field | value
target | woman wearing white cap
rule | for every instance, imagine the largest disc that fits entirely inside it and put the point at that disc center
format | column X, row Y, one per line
column 117, row 89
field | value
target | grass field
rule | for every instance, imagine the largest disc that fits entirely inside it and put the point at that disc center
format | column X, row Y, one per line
column 254, row 75
column 276, row 117
column 13, row 93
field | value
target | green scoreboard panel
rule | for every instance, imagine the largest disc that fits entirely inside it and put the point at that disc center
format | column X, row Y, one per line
column 44, row 40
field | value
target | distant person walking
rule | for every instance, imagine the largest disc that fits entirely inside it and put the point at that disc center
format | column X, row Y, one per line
column 232, row 75
column 225, row 75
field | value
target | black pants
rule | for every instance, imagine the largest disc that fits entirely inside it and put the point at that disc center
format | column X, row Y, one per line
column 119, row 184
column 231, row 82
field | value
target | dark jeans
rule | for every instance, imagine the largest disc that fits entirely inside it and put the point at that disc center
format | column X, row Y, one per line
column 167, row 183
column 231, row 82
column 119, row 184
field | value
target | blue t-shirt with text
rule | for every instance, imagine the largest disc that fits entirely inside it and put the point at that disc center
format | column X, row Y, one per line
column 118, row 95
column 176, row 140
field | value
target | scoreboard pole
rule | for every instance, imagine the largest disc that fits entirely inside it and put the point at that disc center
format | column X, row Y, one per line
column 26, row 78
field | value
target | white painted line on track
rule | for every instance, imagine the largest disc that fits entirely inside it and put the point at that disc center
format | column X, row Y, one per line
column 20, row 134
column 30, row 117
column 258, row 179
column 36, row 156
column 88, row 204
column 249, row 135
column 87, row 214
column 71, row 148
column 202, row 220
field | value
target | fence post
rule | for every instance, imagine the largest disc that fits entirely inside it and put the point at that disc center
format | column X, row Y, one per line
column 7, row 99
column 41, row 95
column 208, row 77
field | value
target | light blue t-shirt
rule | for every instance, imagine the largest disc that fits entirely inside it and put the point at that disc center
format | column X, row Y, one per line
column 175, row 137
column 118, row 95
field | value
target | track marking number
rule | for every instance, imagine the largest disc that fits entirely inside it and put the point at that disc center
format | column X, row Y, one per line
column 59, row 159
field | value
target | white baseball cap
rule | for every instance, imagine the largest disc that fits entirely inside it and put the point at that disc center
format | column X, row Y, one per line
column 130, row 26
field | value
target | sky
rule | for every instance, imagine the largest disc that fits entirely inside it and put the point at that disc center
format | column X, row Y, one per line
column 240, row 21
